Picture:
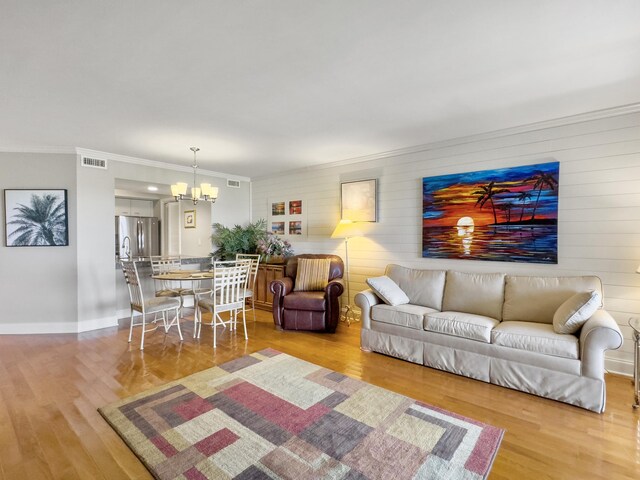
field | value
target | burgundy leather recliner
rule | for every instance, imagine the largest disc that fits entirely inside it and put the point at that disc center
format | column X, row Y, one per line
column 307, row 310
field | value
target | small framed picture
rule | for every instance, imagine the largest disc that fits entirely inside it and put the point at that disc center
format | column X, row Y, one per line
column 358, row 201
column 295, row 227
column 36, row 218
column 277, row 228
column 295, row 207
column 189, row 219
column 277, row 208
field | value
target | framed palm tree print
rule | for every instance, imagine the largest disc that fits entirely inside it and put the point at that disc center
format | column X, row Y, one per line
column 36, row 218
column 505, row 215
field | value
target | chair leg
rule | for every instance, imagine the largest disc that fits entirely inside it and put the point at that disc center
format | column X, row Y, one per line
column 195, row 320
column 131, row 327
column 253, row 307
column 244, row 321
column 178, row 323
column 213, row 321
column 144, row 315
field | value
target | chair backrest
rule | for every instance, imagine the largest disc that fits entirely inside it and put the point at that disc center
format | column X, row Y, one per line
column 336, row 270
column 253, row 271
column 132, row 278
column 165, row 264
column 228, row 285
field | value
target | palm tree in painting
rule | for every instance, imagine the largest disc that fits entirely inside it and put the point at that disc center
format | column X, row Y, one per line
column 506, row 208
column 523, row 198
column 542, row 181
column 43, row 222
column 486, row 194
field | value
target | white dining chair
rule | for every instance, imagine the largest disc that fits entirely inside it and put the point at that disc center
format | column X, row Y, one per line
column 249, row 291
column 156, row 305
column 225, row 296
column 160, row 265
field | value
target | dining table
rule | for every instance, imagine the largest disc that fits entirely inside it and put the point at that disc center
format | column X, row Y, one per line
column 192, row 276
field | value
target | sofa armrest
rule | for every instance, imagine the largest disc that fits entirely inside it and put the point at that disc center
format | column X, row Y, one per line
column 365, row 300
column 600, row 333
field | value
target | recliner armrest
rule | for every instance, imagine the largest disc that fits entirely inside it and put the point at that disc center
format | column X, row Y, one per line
column 365, row 300
column 334, row 288
column 600, row 333
column 281, row 287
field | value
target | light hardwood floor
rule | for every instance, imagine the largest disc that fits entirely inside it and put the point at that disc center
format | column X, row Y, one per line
column 51, row 386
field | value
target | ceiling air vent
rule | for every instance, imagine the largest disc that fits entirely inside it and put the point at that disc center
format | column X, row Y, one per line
column 94, row 163
column 233, row 183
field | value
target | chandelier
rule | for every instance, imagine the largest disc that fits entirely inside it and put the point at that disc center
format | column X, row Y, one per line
column 204, row 192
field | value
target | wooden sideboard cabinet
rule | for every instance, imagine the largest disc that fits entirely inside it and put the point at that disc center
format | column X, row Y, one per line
column 266, row 273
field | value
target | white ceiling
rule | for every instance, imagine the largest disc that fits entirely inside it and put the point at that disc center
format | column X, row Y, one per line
column 265, row 86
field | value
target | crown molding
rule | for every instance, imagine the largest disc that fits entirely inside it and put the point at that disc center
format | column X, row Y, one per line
column 154, row 163
column 505, row 132
column 119, row 158
column 27, row 149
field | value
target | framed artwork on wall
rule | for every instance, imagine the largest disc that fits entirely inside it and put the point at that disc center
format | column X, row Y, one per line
column 358, row 201
column 504, row 215
column 36, row 218
column 287, row 217
column 189, row 219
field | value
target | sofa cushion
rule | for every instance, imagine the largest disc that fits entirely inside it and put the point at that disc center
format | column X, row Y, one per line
column 423, row 287
column 407, row 315
column 458, row 324
column 575, row 312
column 312, row 274
column 310, row 301
column 477, row 293
column 536, row 299
column 535, row 337
column 388, row 290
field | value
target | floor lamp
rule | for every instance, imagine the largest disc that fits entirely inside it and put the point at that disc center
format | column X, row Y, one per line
column 347, row 229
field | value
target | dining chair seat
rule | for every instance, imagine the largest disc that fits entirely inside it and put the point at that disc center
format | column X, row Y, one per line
column 158, row 304
column 169, row 292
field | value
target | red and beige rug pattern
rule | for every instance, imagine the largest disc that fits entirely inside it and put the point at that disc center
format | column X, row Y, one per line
column 272, row 416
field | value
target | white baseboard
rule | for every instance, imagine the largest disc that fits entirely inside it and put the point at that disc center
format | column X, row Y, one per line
column 97, row 323
column 57, row 327
column 621, row 367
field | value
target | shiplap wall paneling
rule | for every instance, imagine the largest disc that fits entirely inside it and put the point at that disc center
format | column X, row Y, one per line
column 599, row 218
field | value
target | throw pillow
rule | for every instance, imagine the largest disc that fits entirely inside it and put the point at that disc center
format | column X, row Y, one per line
column 574, row 312
column 312, row 274
column 388, row 290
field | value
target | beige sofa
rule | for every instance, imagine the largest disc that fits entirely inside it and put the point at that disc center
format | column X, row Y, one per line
column 496, row 328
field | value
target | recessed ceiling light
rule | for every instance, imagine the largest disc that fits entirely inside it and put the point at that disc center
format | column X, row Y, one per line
column 152, row 189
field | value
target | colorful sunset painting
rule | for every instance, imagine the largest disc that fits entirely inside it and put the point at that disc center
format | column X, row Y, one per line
column 505, row 215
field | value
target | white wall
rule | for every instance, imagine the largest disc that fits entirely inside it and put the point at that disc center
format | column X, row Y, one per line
column 599, row 205
column 39, row 284
column 196, row 242
column 71, row 289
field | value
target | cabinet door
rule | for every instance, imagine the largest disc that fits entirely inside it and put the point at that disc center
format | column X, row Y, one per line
column 142, row 208
column 266, row 273
column 123, row 206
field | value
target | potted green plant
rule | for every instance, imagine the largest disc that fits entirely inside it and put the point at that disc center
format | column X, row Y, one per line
column 239, row 239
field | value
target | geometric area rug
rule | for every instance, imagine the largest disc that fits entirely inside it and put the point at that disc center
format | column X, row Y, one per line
column 272, row 416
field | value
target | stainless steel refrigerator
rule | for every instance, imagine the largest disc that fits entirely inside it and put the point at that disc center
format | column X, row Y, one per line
column 137, row 237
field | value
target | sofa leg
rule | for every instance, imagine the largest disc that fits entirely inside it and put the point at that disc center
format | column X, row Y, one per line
column 365, row 349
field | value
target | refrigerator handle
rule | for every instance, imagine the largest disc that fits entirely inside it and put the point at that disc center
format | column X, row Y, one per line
column 140, row 238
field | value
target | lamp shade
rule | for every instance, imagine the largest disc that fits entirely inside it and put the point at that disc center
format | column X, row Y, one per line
column 638, row 270
column 346, row 229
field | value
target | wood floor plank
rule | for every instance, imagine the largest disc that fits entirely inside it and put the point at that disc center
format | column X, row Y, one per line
column 52, row 386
